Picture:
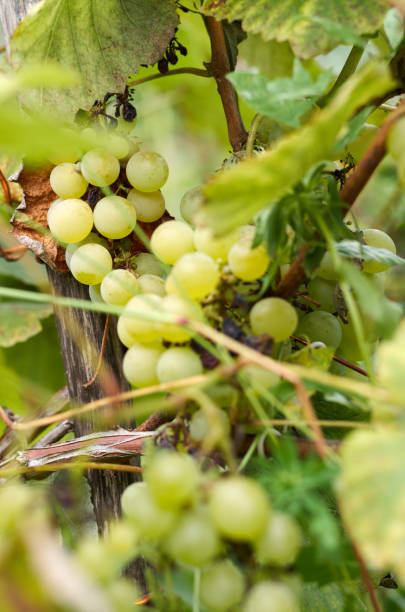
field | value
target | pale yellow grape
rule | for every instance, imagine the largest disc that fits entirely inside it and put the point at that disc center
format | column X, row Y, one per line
column 193, row 540
column 178, row 362
column 202, row 426
column 172, row 478
column 90, row 263
column 70, row 220
column 149, row 206
column 216, row 247
column 171, row 240
column 119, row 146
column 246, row 263
column 73, row 246
column 150, row 283
column 95, row 295
column 100, row 168
column 280, row 543
column 256, row 375
column 179, row 308
column 114, row 217
column 119, row 286
column 126, row 337
column 190, row 203
column 222, row 586
column 140, row 364
column 381, row 240
column 271, row 596
column 143, row 328
column 275, row 317
column 327, row 268
column 147, row 171
column 67, row 182
column 194, row 274
column 152, row 521
column 146, row 263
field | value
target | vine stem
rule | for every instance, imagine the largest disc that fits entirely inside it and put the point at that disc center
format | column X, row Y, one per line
column 6, row 188
column 196, row 71
column 257, row 119
column 366, row 576
column 348, row 69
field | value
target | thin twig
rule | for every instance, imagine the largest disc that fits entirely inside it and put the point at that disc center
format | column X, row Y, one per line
column 257, row 119
column 117, row 467
column 13, row 253
column 196, row 71
column 101, row 355
column 323, row 423
column 348, row 69
column 6, row 188
column 335, row 358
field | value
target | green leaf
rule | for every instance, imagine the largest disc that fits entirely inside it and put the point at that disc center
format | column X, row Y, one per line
column 272, row 174
column 285, row 100
column 311, row 26
column 357, row 250
column 19, row 321
column 271, row 59
column 371, row 490
column 353, row 128
column 102, row 41
column 390, row 363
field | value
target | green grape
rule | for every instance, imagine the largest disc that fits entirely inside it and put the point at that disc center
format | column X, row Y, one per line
column 281, row 541
column 119, row 146
column 67, row 182
column 70, row 220
column 322, row 291
column 90, row 263
column 179, row 308
column 147, row 171
column 239, row 508
column 119, row 286
column 380, row 240
column 363, row 140
column 273, row 316
column 140, row 364
column 222, row 586
column 126, row 337
column 149, row 206
column 73, row 246
column 171, row 240
column 216, row 247
column 193, row 541
column 150, row 283
column 151, row 521
column 222, row 394
column 396, row 139
column 114, row 217
column 173, row 479
column 271, row 596
column 195, row 274
column 178, row 362
column 142, row 328
column 321, row 326
column 146, row 263
column 256, row 375
column 327, row 268
column 201, row 426
column 100, row 168
column 190, row 203
column 246, row 263
column 95, row 295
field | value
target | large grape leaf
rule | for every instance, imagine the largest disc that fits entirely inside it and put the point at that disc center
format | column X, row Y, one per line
column 104, row 41
column 371, row 491
column 311, row 26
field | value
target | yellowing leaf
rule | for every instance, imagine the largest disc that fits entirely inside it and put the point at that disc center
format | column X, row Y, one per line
column 390, row 363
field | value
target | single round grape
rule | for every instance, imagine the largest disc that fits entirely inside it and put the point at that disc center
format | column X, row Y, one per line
column 322, row 291
column 152, row 521
column 95, row 295
column 321, row 326
column 222, row 586
column 273, row 316
column 271, row 596
column 67, row 182
column 90, row 263
column 281, row 541
column 194, row 274
column 256, row 375
column 190, row 203
column 73, row 246
column 70, row 220
column 119, row 146
column 246, row 263
column 381, row 240
column 173, row 479
column 396, row 139
column 215, row 247
column 146, row 263
column 140, row 364
column 150, row 283
column 119, row 286
column 143, row 328
column 327, row 268
column 171, row 240
column 201, row 426
column 149, row 206
column 178, row 362
column 179, row 308
column 114, row 217
column 126, row 337
column 193, row 541
column 100, row 168
column 239, row 508
column 147, row 171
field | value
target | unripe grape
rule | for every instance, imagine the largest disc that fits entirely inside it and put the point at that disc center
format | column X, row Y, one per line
column 152, row 521
column 171, row 240
column 73, row 246
column 67, row 182
column 273, row 316
column 222, row 586
column 201, row 426
column 140, row 364
column 194, row 274
column 172, row 479
column 321, row 326
column 239, row 508
column 271, row 596
column 381, row 240
column 126, row 337
column 147, row 171
column 280, row 542
column 150, row 283
column 179, row 308
column 327, row 268
column 178, row 362
column 256, row 375
column 149, row 206
column 193, row 541
column 90, row 263
column 114, row 217
column 100, row 168
column 215, row 247
column 246, row 263
column 119, row 146
column 146, row 263
column 322, row 291
column 70, row 220
column 119, row 286
column 143, row 328
column 190, row 203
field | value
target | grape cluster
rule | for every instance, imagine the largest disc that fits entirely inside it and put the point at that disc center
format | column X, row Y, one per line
column 196, row 520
